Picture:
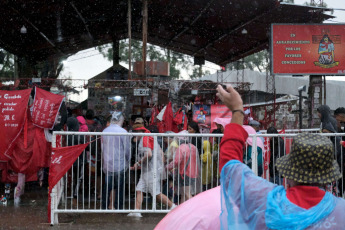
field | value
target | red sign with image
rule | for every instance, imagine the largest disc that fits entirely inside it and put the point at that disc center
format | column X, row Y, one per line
column 317, row 49
column 13, row 106
column 45, row 108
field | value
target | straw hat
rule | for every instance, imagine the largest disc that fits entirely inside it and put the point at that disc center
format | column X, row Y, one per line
column 310, row 161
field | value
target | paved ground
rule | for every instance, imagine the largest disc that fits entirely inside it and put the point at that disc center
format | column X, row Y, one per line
column 32, row 214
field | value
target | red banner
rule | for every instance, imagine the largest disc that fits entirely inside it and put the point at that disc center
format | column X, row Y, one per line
column 206, row 114
column 219, row 111
column 61, row 161
column 45, row 109
column 13, row 106
column 308, row 49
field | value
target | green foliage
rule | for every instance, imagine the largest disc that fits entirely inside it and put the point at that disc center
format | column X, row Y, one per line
column 257, row 61
column 7, row 67
column 154, row 53
column 196, row 72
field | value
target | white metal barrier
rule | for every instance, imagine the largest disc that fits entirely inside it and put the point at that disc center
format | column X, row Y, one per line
column 188, row 165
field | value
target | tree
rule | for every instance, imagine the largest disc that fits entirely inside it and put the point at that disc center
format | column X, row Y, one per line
column 196, row 72
column 6, row 64
column 154, row 53
column 257, row 61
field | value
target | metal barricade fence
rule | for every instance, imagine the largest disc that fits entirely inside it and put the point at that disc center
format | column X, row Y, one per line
column 281, row 145
column 107, row 178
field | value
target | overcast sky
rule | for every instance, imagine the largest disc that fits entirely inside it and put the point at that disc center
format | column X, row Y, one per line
column 88, row 63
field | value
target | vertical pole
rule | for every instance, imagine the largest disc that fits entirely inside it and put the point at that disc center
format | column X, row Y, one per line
column 155, row 152
column 255, row 155
column 200, row 70
column 53, row 195
column 129, row 40
column 300, row 109
column 145, row 19
column 324, row 90
column 116, row 52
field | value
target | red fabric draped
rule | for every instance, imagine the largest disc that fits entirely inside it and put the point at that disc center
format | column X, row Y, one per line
column 45, row 108
column 13, row 106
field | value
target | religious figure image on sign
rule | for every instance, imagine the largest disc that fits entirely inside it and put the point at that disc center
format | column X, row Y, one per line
column 326, row 51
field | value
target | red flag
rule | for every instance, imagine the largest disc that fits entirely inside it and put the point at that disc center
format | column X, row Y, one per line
column 13, row 106
column 45, row 108
column 168, row 119
column 61, row 161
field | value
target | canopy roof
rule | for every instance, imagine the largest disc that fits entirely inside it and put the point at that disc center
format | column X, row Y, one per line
column 208, row 28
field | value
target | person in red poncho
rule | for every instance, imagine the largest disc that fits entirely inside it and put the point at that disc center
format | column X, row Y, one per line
column 146, row 149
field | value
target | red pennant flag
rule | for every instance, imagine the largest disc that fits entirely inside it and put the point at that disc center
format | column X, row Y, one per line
column 62, row 160
column 45, row 108
column 13, row 106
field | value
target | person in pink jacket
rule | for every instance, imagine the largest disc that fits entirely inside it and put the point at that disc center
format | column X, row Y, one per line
column 187, row 162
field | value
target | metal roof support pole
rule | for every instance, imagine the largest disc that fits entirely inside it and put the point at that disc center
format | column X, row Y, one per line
column 145, row 19
column 82, row 19
column 129, row 40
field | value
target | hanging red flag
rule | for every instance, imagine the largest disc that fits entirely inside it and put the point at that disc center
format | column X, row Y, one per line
column 45, row 108
column 61, row 161
column 13, row 106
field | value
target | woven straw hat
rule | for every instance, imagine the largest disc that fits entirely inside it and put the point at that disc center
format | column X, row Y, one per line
column 310, row 161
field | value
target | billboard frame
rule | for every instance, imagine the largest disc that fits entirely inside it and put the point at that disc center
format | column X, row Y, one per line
column 300, row 24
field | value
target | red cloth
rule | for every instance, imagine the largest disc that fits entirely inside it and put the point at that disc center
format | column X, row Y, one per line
column 168, row 119
column 45, row 108
column 305, row 196
column 61, row 161
column 13, row 106
column 231, row 146
column 343, row 144
column 148, row 142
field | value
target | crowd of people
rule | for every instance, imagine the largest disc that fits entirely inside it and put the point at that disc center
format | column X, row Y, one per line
column 246, row 201
column 185, row 165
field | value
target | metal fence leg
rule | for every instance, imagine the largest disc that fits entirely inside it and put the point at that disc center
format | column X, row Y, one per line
column 53, row 215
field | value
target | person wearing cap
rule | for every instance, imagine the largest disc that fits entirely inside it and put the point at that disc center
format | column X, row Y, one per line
column 146, row 149
column 139, row 120
column 116, row 157
column 256, row 125
column 249, row 202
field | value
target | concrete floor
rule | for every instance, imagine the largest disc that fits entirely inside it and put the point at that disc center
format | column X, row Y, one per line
column 32, row 214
